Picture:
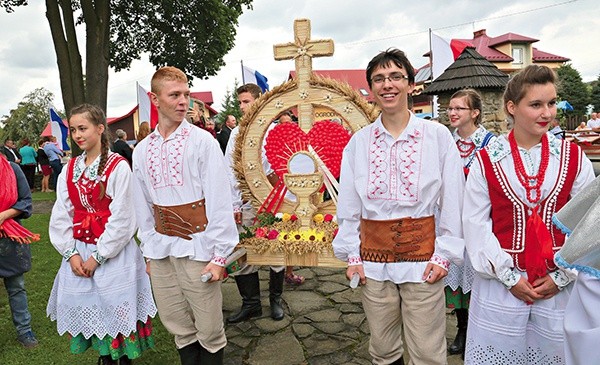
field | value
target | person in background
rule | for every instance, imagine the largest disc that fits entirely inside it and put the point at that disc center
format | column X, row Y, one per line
column 44, row 163
column 582, row 126
column 594, row 122
column 401, row 176
column 556, row 130
column 465, row 111
column 143, row 131
column 224, row 134
column 10, row 151
column 28, row 162
column 247, row 279
column 579, row 220
column 121, row 146
column 101, row 294
column 195, row 116
column 210, row 126
column 515, row 186
column 15, row 257
column 186, row 226
column 54, row 157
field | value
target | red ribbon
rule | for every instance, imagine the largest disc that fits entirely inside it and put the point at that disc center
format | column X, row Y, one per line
column 538, row 247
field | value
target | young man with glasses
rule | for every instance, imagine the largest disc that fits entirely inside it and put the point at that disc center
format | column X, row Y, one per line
column 401, row 182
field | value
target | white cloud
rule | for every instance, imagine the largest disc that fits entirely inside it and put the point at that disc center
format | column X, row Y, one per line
column 359, row 29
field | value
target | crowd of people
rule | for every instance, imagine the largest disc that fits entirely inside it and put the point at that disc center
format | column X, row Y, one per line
column 428, row 220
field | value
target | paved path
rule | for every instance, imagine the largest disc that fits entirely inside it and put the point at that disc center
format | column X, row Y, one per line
column 324, row 324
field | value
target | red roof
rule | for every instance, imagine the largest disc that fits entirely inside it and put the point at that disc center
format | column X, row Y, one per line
column 541, row 56
column 204, row 96
column 484, row 45
column 110, row 121
column 511, row 38
column 355, row 78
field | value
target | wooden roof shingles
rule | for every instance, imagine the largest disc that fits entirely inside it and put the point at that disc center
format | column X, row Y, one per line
column 470, row 70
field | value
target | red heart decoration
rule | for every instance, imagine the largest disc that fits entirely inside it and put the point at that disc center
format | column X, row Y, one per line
column 327, row 138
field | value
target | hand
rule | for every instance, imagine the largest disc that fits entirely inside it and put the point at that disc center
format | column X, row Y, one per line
column 237, row 216
column 217, row 272
column 77, row 266
column 545, row 286
column 356, row 269
column 433, row 273
column 524, row 290
column 89, row 266
column 148, row 267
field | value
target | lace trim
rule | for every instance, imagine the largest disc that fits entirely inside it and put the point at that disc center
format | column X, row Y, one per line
column 99, row 258
column 70, row 253
column 354, row 261
column 102, row 321
column 560, row 279
column 440, row 261
column 581, row 268
column 510, row 278
column 218, row 260
column 564, row 229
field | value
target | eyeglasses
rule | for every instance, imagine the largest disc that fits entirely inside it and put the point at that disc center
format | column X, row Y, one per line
column 395, row 77
column 457, row 109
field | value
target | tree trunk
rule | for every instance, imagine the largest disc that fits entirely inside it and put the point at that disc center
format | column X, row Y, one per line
column 96, row 15
column 68, row 57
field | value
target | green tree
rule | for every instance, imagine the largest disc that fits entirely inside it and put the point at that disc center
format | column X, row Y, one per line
column 572, row 88
column 30, row 117
column 192, row 35
column 230, row 105
column 595, row 94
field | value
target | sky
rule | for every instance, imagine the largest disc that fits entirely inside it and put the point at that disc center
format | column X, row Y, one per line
column 359, row 29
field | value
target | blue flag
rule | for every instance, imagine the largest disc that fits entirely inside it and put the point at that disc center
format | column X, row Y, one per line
column 254, row 77
column 59, row 129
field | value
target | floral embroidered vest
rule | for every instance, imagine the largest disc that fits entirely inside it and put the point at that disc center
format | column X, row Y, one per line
column 509, row 213
column 91, row 212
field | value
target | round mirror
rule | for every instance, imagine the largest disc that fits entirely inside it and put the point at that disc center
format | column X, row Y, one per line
column 302, row 163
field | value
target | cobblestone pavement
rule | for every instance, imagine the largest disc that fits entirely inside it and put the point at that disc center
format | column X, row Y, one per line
column 324, row 324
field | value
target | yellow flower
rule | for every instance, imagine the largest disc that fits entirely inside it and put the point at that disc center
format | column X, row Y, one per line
column 286, row 217
column 284, row 236
column 318, row 218
column 312, row 235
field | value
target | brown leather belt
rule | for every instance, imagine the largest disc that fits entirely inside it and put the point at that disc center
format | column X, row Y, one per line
column 180, row 220
column 397, row 240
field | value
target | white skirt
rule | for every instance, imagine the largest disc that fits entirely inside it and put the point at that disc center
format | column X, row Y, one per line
column 505, row 330
column 110, row 302
column 582, row 322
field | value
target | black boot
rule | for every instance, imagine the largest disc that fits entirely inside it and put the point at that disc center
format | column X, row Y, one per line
column 106, row 360
column 190, row 354
column 124, row 360
column 208, row 358
column 249, row 288
column 458, row 346
column 400, row 361
column 275, row 290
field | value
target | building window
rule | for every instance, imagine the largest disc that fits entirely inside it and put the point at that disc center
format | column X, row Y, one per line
column 517, row 55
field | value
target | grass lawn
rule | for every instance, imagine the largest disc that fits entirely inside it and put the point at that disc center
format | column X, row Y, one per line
column 54, row 349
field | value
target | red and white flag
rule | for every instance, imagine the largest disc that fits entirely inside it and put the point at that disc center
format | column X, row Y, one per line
column 147, row 111
column 443, row 53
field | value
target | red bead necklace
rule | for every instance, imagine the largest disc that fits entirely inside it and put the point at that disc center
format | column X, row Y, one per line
column 531, row 183
column 465, row 148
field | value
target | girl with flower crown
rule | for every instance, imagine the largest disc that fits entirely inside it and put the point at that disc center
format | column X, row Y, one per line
column 465, row 113
column 515, row 186
column 101, row 295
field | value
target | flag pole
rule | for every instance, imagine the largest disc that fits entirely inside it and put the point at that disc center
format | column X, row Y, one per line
column 431, row 74
column 243, row 78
